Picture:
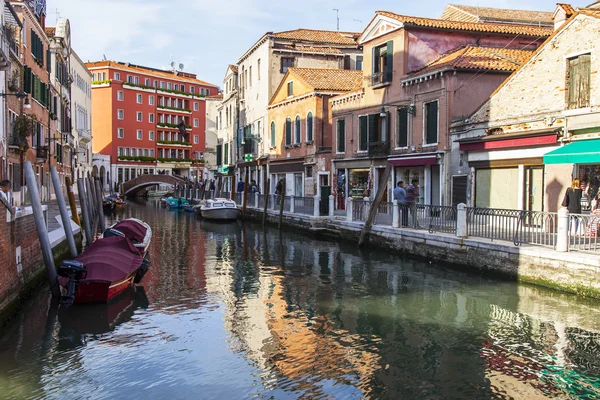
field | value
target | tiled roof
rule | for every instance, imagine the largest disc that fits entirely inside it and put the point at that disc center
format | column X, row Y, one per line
column 329, row 79
column 309, row 49
column 526, row 30
column 478, row 58
column 487, row 14
column 569, row 10
column 590, row 12
column 216, row 96
column 144, row 70
column 318, row 36
column 50, row 30
column 234, row 68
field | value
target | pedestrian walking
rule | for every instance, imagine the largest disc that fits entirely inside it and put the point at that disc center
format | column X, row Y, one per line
column 240, row 186
column 212, row 188
column 400, row 197
column 412, row 198
column 253, row 187
column 279, row 190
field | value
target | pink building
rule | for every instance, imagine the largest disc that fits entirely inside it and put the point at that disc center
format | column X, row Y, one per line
column 420, row 74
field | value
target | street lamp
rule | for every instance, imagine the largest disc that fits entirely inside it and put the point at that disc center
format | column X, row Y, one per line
column 19, row 95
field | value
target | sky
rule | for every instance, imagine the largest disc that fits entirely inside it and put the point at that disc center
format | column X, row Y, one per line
column 208, row 35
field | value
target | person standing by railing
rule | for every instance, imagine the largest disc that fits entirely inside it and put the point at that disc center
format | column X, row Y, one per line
column 572, row 201
column 412, row 195
column 400, row 197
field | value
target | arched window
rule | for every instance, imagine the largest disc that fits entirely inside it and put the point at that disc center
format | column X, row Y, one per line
column 309, row 127
column 273, row 143
column 297, row 130
column 288, row 131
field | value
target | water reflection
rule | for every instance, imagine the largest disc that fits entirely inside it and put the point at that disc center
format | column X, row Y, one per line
column 230, row 311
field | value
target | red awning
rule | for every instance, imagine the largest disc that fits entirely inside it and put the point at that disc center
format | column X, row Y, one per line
column 414, row 161
column 505, row 142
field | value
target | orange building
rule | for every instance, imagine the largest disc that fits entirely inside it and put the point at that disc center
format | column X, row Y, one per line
column 300, row 127
column 135, row 116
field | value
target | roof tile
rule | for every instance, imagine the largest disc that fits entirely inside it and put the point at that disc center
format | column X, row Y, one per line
column 309, row 49
column 330, row 79
column 320, row 36
column 498, row 15
column 478, row 58
column 144, row 70
column 527, row 30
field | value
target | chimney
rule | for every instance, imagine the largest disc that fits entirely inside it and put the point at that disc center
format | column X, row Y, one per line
column 561, row 14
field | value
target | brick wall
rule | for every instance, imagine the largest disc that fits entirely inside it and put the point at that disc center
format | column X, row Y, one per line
column 20, row 232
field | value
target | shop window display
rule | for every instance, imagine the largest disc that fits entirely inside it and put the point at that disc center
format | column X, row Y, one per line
column 589, row 176
column 359, row 184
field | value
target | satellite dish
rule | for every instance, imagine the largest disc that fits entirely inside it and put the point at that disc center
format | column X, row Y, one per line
column 180, row 66
column 173, row 64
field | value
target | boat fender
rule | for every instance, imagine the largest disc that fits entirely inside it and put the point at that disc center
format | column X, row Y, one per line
column 110, row 232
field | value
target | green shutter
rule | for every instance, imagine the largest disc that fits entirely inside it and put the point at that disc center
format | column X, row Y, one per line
column 219, row 155
column 403, row 127
column 226, row 154
column 362, row 132
column 373, row 128
column 27, row 79
column 48, row 63
column 273, row 134
column 288, row 131
column 375, row 60
column 390, row 61
column 341, row 135
column 432, row 122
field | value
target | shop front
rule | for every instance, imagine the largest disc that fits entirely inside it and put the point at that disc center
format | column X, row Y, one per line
column 424, row 168
column 292, row 171
column 353, row 178
column 582, row 159
column 507, row 172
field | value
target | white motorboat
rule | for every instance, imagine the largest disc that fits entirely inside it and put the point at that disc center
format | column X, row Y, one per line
column 219, row 208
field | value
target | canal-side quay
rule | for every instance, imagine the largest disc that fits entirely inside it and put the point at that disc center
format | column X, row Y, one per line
column 571, row 272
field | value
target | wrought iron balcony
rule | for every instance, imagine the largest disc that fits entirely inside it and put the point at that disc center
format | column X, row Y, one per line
column 378, row 149
column 41, row 153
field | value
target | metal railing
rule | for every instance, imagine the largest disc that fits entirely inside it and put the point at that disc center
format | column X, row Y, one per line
column 384, row 214
column 304, row 205
column 583, row 232
column 441, row 218
column 359, row 206
column 492, row 223
column 251, row 200
column 261, row 201
column 536, row 227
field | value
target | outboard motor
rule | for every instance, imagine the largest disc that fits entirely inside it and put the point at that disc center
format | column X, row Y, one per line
column 141, row 271
column 74, row 271
column 110, row 232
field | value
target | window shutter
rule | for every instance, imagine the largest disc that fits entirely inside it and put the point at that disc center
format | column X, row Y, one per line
column 219, row 155
column 584, row 86
column 373, row 128
column 27, row 79
column 362, row 127
column 403, row 127
column 375, row 60
column 288, row 131
column 48, row 63
column 390, row 61
column 432, row 123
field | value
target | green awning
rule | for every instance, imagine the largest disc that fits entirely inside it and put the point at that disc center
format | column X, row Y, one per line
column 579, row 152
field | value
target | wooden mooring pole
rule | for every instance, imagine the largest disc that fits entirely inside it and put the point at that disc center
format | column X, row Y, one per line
column 245, row 199
column 267, row 187
column 85, row 211
column 373, row 211
column 72, row 204
column 40, row 224
column 281, row 203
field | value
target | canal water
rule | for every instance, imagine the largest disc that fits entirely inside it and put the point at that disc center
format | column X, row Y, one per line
column 228, row 311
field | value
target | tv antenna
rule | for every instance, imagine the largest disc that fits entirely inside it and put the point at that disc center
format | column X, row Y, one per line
column 337, row 15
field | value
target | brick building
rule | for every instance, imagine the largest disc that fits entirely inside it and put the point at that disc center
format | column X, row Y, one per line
column 300, row 137
column 135, row 115
column 541, row 127
column 31, row 74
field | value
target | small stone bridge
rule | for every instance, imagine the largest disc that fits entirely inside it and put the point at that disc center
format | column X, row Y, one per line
column 132, row 187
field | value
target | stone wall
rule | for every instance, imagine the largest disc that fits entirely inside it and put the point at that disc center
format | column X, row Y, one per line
column 570, row 272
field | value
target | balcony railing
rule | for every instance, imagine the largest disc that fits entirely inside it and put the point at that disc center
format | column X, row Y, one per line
column 377, row 149
column 41, row 152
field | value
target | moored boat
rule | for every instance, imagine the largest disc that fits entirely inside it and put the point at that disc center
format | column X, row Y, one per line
column 108, row 266
column 109, row 203
column 219, row 209
column 176, row 202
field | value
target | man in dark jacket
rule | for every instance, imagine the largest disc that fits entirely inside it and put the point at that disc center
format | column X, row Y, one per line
column 240, row 186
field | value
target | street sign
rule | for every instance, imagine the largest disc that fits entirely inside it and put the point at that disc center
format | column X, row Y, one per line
column 248, row 157
column 225, row 169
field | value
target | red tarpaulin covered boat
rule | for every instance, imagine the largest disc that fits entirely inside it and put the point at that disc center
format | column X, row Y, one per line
column 108, row 266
